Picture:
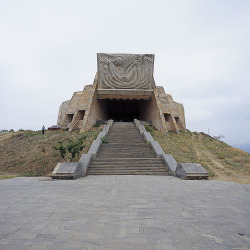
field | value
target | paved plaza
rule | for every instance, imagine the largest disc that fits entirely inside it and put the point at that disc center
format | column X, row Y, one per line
column 124, row 212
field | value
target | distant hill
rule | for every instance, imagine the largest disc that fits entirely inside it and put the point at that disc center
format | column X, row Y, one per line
column 245, row 147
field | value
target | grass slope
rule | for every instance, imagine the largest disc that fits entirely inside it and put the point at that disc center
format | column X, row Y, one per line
column 219, row 159
column 29, row 153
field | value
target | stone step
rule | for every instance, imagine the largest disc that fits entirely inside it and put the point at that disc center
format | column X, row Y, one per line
column 142, row 166
column 126, row 153
column 124, row 150
column 157, row 160
column 114, row 146
column 113, row 168
column 126, row 171
column 125, row 141
column 129, row 173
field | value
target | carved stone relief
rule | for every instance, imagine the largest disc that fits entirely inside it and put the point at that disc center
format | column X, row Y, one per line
column 125, row 71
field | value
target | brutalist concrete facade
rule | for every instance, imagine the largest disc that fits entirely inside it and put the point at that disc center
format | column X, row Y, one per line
column 123, row 90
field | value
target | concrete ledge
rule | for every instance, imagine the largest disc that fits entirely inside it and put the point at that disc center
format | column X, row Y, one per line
column 84, row 163
column 191, row 171
column 170, row 162
column 95, row 146
column 67, row 170
column 142, row 129
column 125, row 93
column 104, row 132
column 137, row 123
column 110, row 122
column 157, row 149
column 148, row 137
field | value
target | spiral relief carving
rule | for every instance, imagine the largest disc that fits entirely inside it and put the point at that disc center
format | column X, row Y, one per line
column 125, row 71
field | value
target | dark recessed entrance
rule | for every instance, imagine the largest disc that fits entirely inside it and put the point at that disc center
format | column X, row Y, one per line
column 123, row 110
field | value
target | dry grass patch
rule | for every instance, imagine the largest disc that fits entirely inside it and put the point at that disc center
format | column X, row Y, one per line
column 220, row 160
column 29, row 153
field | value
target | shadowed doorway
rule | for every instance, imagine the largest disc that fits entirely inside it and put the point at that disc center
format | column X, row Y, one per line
column 123, row 110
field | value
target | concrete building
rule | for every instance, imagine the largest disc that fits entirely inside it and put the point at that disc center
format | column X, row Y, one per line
column 123, row 89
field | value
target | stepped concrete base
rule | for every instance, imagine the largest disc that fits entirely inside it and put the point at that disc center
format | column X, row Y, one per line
column 67, row 170
column 191, row 171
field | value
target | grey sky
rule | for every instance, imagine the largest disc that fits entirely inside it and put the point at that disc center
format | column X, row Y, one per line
column 202, row 56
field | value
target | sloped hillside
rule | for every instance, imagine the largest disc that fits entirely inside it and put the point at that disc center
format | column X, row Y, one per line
column 220, row 160
column 29, row 153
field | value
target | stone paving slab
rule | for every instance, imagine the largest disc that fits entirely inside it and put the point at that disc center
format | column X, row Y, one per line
column 124, row 212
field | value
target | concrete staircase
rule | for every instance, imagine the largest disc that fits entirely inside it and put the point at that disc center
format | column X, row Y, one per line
column 126, row 153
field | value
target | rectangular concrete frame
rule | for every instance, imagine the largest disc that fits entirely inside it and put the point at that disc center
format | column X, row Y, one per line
column 108, row 63
column 191, row 171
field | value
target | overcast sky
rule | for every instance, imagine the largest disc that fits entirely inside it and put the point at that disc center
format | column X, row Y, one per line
column 202, row 56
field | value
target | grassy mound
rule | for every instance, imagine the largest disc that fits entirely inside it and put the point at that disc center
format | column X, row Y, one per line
column 29, row 153
column 220, row 160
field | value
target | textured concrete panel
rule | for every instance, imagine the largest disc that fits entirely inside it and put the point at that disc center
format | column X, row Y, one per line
column 191, row 171
column 125, row 71
column 67, row 170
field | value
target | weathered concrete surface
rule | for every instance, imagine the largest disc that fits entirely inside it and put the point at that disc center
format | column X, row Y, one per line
column 94, row 148
column 170, row 162
column 174, row 110
column 125, row 71
column 157, row 149
column 168, row 159
column 124, row 212
column 67, row 170
column 191, row 171
column 122, row 77
column 84, row 163
column 104, row 132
